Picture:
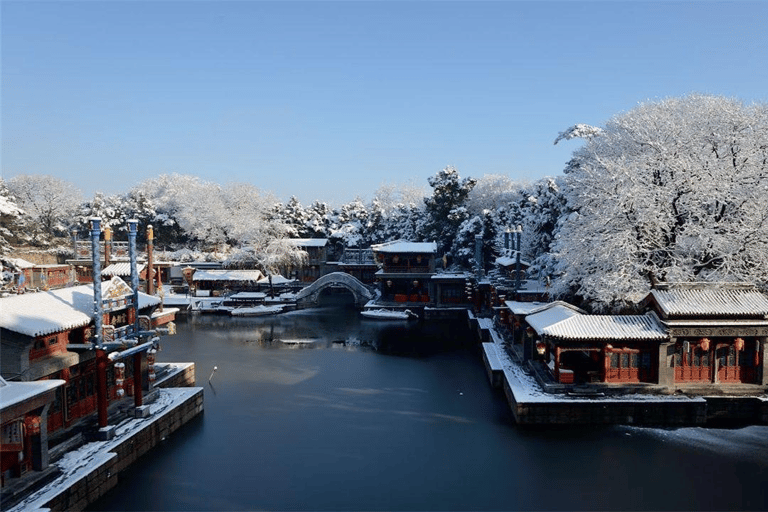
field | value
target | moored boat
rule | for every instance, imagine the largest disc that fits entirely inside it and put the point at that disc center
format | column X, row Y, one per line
column 259, row 310
column 389, row 314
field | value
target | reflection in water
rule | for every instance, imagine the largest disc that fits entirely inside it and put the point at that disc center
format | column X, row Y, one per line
column 357, row 414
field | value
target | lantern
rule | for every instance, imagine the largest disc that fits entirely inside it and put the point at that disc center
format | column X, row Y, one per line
column 120, row 379
column 704, row 344
column 151, row 365
column 541, row 348
column 32, row 424
column 739, row 344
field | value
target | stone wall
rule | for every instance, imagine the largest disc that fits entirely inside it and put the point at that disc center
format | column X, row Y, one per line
column 104, row 474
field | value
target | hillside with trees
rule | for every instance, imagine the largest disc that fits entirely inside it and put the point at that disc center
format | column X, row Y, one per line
column 673, row 190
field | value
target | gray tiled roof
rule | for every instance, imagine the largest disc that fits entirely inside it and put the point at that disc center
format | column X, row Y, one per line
column 607, row 327
column 723, row 301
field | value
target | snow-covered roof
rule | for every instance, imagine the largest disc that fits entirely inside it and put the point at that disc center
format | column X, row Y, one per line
column 511, row 260
column 309, row 242
column 550, row 315
column 523, row 308
column 41, row 313
column 121, row 269
column 227, row 275
column 247, row 295
column 405, row 247
column 12, row 393
column 276, row 279
column 607, row 327
column 19, row 262
column 721, row 301
column 451, row 276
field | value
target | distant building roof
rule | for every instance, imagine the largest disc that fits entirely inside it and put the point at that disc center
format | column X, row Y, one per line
column 19, row 262
column 41, row 313
column 309, row 242
column 509, row 260
column 227, row 275
column 523, row 308
column 710, row 301
column 405, row 247
column 276, row 279
column 121, row 269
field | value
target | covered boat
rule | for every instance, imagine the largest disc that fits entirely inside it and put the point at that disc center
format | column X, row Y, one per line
column 259, row 310
column 389, row 314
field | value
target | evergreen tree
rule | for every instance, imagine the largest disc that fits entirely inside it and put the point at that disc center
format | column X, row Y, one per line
column 445, row 209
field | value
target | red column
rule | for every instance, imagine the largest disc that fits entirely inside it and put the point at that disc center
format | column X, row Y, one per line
column 101, row 390
column 137, row 391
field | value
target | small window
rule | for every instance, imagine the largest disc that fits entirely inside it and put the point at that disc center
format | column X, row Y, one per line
column 52, row 340
column 614, row 360
column 633, row 360
column 625, row 360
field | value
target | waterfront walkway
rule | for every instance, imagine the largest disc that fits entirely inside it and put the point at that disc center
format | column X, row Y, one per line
column 86, row 473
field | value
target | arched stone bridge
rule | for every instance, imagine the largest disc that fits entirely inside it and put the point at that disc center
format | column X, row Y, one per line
column 310, row 295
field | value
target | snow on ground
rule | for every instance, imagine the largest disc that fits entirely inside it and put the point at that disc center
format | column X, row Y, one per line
column 77, row 464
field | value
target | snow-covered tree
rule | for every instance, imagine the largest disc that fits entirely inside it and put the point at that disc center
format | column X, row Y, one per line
column 493, row 191
column 395, row 213
column 50, row 202
column 294, row 216
column 11, row 221
column 351, row 225
column 675, row 190
column 540, row 210
column 319, row 220
column 446, row 208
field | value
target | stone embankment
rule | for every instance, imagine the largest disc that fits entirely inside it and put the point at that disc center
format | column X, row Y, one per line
column 87, row 473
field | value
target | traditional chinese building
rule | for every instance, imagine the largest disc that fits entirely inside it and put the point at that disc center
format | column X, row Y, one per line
column 95, row 342
column 315, row 265
column 359, row 263
column 716, row 334
column 22, row 405
column 691, row 335
column 218, row 282
column 405, row 270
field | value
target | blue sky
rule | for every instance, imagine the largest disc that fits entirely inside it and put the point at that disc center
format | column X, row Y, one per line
column 328, row 100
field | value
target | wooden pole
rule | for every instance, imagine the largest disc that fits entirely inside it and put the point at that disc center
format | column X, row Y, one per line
column 101, row 389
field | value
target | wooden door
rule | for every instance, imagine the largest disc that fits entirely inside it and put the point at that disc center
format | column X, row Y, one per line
column 623, row 366
column 695, row 365
column 728, row 369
